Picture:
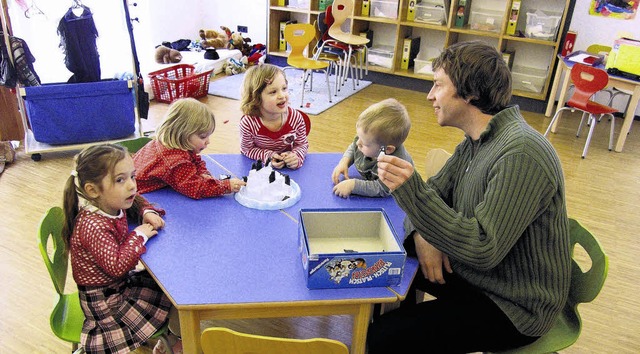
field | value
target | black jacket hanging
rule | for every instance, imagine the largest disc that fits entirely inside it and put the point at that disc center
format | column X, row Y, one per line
column 8, row 76
column 78, row 36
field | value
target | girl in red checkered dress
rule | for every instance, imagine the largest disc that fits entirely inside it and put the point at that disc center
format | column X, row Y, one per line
column 123, row 307
column 173, row 157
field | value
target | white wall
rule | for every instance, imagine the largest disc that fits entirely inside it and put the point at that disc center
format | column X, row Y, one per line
column 170, row 20
column 40, row 33
column 250, row 13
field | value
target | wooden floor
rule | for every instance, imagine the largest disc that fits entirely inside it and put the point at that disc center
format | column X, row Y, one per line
column 603, row 192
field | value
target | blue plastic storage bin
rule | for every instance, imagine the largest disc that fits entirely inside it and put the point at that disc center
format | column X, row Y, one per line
column 80, row 113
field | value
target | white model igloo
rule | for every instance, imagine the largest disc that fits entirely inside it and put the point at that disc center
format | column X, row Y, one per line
column 268, row 189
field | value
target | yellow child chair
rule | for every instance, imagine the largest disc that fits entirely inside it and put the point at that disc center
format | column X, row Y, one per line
column 218, row 340
column 585, row 286
column 299, row 35
column 67, row 318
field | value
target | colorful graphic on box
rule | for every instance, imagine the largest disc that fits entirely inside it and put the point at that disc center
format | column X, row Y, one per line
column 355, row 271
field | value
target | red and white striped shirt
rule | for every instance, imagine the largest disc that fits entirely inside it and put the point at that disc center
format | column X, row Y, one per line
column 259, row 143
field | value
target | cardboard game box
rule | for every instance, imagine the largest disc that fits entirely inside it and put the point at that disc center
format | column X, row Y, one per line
column 349, row 248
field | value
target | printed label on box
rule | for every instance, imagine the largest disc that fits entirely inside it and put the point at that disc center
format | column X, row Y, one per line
column 354, row 271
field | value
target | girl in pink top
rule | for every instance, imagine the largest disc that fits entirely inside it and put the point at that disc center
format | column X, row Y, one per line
column 173, row 157
column 269, row 128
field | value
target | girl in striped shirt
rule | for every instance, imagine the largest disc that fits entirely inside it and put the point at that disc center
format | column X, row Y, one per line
column 269, row 128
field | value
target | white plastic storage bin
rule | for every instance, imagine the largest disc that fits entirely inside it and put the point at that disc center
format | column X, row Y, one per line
column 430, row 13
column 486, row 20
column 542, row 25
column 299, row 4
column 424, row 59
column 422, row 66
column 387, row 9
column 380, row 56
column 528, row 79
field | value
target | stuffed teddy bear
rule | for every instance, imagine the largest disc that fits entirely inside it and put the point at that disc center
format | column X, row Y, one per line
column 236, row 41
column 243, row 44
column 213, row 39
column 166, row 55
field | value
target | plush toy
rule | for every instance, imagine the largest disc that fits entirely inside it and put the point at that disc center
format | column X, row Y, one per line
column 257, row 52
column 166, row 55
column 243, row 44
column 236, row 41
column 233, row 67
column 213, row 39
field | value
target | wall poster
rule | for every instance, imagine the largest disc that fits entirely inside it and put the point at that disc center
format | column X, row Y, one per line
column 619, row 9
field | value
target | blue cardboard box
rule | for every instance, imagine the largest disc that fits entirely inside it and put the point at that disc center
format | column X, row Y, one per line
column 349, row 248
column 80, row 113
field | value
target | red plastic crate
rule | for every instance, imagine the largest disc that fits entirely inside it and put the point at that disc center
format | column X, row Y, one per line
column 179, row 81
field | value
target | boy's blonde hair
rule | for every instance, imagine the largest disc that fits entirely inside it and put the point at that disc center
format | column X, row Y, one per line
column 185, row 117
column 387, row 122
column 255, row 81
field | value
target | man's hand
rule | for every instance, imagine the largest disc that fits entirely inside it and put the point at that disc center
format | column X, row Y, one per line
column 431, row 260
column 393, row 171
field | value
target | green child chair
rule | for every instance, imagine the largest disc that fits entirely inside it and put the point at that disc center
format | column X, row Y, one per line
column 67, row 318
column 585, row 286
column 134, row 145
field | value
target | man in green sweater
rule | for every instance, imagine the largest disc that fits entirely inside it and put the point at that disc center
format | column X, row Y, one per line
column 490, row 230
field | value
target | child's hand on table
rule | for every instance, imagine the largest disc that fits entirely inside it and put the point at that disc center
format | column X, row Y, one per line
column 344, row 188
column 154, row 220
column 236, row 184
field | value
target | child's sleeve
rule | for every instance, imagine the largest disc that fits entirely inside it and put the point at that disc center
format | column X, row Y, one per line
column 301, row 144
column 373, row 188
column 186, row 179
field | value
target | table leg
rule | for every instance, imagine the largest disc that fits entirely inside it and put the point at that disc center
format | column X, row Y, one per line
column 190, row 331
column 628, row 118
column 360, row 326
column 563, row 96
column 554, row 88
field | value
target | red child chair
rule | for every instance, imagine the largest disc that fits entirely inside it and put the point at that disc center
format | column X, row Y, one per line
column 587, row 80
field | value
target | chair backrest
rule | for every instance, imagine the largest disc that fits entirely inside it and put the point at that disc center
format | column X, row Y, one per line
column 224, row 340
column 586, row 284
column 340, row 11
column 325, row 20
column 57, row 261
column 299, row 35
column 436, row 158
column 587, row 81
column 134, row 145
column 307, row 122
column 598, row 48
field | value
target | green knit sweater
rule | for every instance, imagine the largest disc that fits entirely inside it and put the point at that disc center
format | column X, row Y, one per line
column 497, row 209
